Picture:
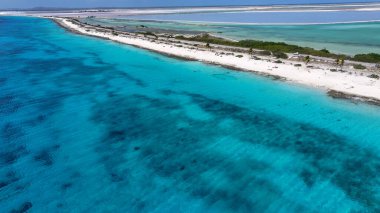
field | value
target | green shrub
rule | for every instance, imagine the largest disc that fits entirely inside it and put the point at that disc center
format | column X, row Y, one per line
column 359, row 67
column 264, row 52
column 262, row 45
column 325, row 50
column 239, row 56
column 373, row 76
column 370, row 58
column 280, row 55
column 278, row 62
column 181, row 37
column 298, row 65
column 148, row 34
column 280, row 47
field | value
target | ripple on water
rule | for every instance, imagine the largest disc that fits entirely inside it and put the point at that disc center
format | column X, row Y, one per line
column 183, row 154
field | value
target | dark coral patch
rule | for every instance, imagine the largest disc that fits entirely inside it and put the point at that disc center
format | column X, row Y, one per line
column 115, row 177
column 308, row 177
column 11, row 132
column 12, row 154
column 37, row 120
column 178, row 152
column 44, row 157
column 2, row 81
column 25, row 207
column 8, row 104
column 3, row 184
column 66, row 186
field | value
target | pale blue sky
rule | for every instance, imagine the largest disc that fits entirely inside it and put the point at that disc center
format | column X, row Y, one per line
column 150, row 3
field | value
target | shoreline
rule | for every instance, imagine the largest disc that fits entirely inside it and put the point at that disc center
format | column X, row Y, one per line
column 273, row 77
column 342, row 85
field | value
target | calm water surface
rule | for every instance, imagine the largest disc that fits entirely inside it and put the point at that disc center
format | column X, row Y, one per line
column 347, row 38
column 305, row 17
column 88, row 125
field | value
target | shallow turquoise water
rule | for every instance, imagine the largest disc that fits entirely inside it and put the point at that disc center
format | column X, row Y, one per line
column 93, row 126
column 269, row 17
column 348, row 38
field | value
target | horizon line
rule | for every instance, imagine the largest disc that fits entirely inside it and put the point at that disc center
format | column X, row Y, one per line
column 41, row 8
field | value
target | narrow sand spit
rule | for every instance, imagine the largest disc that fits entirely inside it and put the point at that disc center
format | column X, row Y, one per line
column 351, row 84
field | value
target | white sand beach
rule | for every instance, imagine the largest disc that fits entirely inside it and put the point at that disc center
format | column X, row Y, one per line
column 354, row 83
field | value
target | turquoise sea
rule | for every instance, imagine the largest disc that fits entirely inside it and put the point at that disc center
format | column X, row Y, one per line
column 88, row 125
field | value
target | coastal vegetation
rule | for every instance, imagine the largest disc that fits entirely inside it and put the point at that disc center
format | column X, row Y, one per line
column 280, row 55
column 370, row 58
column 264, row 52
column 279, row 49
column 340, row 62
column 148, row 34
column 250, row 51
column 359, row 67
column 374, row 76
column 266, row 48
column 307, row 59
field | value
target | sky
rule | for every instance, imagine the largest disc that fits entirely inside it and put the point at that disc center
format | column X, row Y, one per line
column 151, row 3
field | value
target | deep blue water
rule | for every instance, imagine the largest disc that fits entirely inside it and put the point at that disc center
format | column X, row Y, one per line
column 88, row 125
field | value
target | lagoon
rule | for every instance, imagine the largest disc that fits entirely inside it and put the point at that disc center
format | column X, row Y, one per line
column 345, row 38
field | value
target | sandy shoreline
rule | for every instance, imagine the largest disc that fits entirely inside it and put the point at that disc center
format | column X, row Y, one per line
column 351, row 84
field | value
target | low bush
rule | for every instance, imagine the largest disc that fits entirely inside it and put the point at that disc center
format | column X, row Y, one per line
column 370, row 58
column 374, row 76
column 279, row 49
column 148, row 34
column 359, row 67
column 264, row 52
column 280, row 55
column 325, row 50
